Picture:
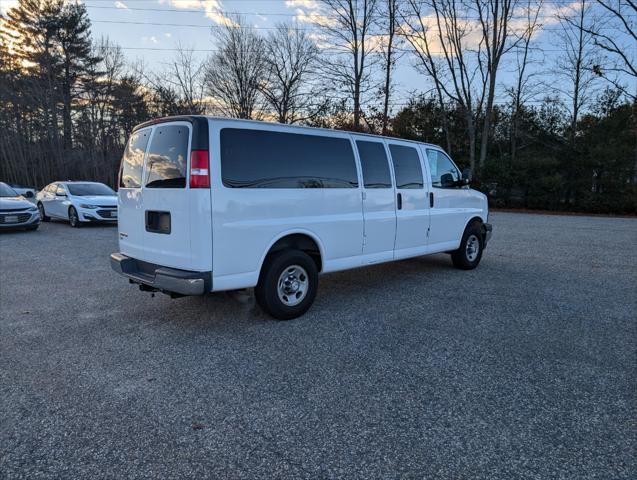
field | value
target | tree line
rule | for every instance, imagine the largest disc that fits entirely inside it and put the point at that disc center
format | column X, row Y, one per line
column 561, row 136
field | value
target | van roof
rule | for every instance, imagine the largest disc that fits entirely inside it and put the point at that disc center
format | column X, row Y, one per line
column 194, row 118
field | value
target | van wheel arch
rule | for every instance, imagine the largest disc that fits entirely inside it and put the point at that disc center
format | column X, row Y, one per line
column 297, row 241
column 480, row 223
column 474, row 219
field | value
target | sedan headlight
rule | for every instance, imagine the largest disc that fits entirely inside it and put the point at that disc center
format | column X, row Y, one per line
column 84, row 205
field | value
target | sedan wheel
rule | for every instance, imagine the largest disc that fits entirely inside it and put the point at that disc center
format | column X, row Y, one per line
column 43, row 216
column 74, row 219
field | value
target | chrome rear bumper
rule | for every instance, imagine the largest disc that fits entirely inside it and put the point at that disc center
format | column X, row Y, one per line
column 163, row 279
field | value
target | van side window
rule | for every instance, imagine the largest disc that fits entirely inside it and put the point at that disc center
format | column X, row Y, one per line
column 167, row 161
column 374, row 164
column 441, row 169
column 133, row 160
column 266, row 159
column 406, row 166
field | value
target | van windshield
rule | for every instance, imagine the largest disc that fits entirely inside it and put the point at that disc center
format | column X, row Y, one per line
column 89, row 189
column 7, row 191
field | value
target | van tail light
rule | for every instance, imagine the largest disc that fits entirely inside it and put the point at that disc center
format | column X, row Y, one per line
column 199, row 169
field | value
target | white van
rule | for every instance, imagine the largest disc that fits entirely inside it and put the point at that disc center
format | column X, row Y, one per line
column 209, row 204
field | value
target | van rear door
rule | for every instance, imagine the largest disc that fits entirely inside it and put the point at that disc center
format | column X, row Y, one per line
column 129, row 196
column 172, row 220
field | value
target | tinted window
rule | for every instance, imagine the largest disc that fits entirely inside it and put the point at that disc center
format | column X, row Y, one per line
column 374, row 164
column 133, row 160
column 439, row 165
column 261, row 159
column 168, row 157
column 406, row 166
column 89, row 189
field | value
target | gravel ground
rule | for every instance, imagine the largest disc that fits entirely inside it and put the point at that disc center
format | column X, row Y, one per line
column 523, row 368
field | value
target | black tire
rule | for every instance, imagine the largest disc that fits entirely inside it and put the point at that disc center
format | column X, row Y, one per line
column 43, row 216
column 74, row 218
column 466, row 258
column 267, row 290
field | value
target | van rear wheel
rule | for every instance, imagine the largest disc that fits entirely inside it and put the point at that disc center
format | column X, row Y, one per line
column 287, row 284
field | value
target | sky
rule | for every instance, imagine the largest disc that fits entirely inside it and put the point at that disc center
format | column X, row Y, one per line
column 151, row 30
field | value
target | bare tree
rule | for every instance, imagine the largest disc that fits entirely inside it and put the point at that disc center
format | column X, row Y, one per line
column 234, row 74
column 522, row 88
column 348, row 26
column 576, row 64
column 421, row 36
column 618, row 21
column 186, row 75
column 444, row 44
column 291, row 60
column 389, row 22
column 494, row 17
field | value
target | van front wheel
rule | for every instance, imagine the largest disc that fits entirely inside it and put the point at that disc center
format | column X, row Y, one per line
column 468, row 256
column 287, row 284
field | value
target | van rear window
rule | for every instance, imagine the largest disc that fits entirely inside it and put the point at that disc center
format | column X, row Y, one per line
column 167, row 161
column 133, row 160
column 266, row 159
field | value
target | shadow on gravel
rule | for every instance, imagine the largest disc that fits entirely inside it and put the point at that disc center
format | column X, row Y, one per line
column 237, row 310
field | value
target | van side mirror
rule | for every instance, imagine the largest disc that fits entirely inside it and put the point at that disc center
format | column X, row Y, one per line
column 467, row 175
column 447, row 181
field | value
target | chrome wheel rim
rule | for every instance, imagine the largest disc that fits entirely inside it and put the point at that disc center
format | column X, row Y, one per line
column 41, row 210
column 292, row 285
column 73, row 217
column 473, row 248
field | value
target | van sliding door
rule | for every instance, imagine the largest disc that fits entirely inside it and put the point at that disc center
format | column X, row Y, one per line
column 379, row 210
column 412, row 201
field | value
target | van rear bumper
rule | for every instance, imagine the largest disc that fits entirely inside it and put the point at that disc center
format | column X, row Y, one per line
column 163, row 279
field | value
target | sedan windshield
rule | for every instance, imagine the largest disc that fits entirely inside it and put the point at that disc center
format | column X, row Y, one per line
column 7, row 191
column 89, row 189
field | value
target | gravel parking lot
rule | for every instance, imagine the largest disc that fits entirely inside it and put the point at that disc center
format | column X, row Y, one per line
column 523, row 368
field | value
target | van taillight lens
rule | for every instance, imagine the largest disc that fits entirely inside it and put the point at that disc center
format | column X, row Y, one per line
column 199, row 169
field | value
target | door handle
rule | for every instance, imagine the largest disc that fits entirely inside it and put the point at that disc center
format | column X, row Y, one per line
column 431, row 199
column 400, row 201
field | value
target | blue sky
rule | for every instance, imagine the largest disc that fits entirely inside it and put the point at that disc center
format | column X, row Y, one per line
column 150, row 30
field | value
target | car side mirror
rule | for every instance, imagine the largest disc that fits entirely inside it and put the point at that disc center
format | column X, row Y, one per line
column 447, row 181
column 467, row 175
column 28, row 194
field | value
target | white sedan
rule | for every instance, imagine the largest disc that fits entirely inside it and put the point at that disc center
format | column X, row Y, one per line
column 16, row 211
column 78, row 202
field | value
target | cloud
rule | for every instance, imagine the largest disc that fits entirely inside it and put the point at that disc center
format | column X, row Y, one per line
column 309, row 4
column 152, row 39
column 314, row 17
column 211, row 8
column 121, row 5
column 5, row 5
